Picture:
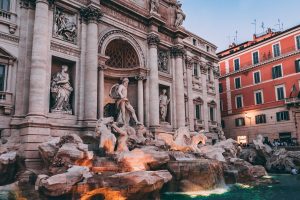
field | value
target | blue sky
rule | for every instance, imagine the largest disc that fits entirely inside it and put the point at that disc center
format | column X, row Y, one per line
column 216, row 20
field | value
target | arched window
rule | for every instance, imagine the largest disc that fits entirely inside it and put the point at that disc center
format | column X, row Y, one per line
column 5, row 5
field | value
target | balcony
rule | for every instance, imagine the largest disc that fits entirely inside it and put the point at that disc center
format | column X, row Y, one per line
column 6, row 102
column 213, row 124
column 9, row 19
column 198, row 124
column 292, row 102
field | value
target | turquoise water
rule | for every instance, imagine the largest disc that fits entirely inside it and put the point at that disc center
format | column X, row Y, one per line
column 287, row 189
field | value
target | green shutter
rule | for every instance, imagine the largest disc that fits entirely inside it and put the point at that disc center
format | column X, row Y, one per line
column 297, row 66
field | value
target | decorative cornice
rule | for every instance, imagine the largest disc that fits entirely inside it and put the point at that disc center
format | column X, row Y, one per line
column 9, row 37
column 32, row 3
column 140, row 77
column 177, row 51
column 102, row 67
column 65, row 49
column 153, row 39
column 91, row 14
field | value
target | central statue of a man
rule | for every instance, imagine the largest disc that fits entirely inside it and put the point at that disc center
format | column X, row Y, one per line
column 126, row 110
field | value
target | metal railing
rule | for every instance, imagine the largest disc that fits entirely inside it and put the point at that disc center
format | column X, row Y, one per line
column 293, row 100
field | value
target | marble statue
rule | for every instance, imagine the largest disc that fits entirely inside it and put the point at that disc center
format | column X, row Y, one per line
column 126, row 111
column 107, row 139
column 65, row 26
column 61, row 90
column 163, row 105
column 154, row 5
column 180, row 16
column 163, row 59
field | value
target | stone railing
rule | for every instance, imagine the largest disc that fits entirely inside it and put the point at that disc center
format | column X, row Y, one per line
column 6, row 102
column 213, row 124
column 9, row 19
column 5, row 14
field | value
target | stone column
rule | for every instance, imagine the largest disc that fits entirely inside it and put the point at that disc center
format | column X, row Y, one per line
column 91, row 15
column 178, row 53
column 39, row 60
column 153, row 41
column 204, row 95
column 140, row 80
column 189, row 77
column 101, row 92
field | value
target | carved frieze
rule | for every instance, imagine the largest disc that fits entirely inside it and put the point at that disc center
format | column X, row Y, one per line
column 91, row 14
column 163, row 61
column 31, row 3
column 65, row 49
column 153, row 39
column 65, row 25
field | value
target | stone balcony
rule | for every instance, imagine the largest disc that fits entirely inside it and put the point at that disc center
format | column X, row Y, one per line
column 9, row 19
column 6, row 102
column 199, row 123
column 292, row 102
column 213, row 124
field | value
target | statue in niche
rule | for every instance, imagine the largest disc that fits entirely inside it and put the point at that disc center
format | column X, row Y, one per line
column 163, row 105
column 180, row 16
column 65, row 26
column 154, row 5
column 163, row 59
column 125, row 109
column 61, row 90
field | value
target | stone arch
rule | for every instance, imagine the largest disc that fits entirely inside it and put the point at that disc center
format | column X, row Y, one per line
column 115, row 34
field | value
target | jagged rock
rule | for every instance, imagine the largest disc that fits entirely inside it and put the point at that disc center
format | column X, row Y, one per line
column 64, row 151
column 130, row 185
column 230, row 146
column 213, row 152
column 142, row 159
column 60, row 184
column 180, row 156
column 281, row 161
column 195, row 175
column 253, row 156
column 8, row 167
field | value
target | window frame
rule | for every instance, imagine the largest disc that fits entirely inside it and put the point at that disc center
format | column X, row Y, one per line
column 257, row 57
column 262, row 97
column 238, row 77
column 221, row 89
column 278, row 43
column 278, row 65
column 242, row 124
column 8, row 8
column 258, row 71
column 261, row 122
column 236, row 102
column 296, row 42
column 284, row 92
column 5, row 77
column 297, row 66
column 279, row 114
column 239, row 65
column 195, row 67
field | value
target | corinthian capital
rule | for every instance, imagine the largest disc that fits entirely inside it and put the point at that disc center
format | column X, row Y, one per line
column 189, row 63
column 91, row 14
column 153, row 39
column 177, row 51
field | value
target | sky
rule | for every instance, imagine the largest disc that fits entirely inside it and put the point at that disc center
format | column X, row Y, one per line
column 218, row 20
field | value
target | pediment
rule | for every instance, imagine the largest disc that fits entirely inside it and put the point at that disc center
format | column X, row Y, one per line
column 6, row 55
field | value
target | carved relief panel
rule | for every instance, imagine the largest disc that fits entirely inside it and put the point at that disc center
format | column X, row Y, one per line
column 163, row 61
column 65, row 25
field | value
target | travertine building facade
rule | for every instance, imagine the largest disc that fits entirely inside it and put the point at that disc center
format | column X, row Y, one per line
column 59, row 60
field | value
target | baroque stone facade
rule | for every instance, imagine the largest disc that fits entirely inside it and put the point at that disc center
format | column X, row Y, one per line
column 99, row 43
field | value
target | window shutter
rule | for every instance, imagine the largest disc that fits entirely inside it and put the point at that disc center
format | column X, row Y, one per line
column 287, row 116
column 236, row 122
column 297, row 66
column 278, row 116
column 273, row 72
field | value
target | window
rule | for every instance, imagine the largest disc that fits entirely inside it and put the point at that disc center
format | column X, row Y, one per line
column 2, row 77
column 194, row 42
column 276, row 50
column 237, row 82
column 282, row 116
column 5, row 5
column 280, row 92
column 258, row 97
column 297, row 65
column 195, row 71
column 276, row 72
column 220, row 87
column 239, row 101
column 236, row 64
column 207, row 48
column 212, row 114
column 222, row 123
column 240, row 122
column 255, row 58
column 242, row 139
column 221, row 105
column 198, row 111
column 260, row 119
column 256, row 77
column 298, row 42
column 208, row 74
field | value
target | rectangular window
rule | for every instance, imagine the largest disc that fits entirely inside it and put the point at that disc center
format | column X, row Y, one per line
column 240, row 122
column 256, row 76
column 239, row 101
column 280, row 93
column 209, row 74
column 282, row 116
column 236, row 64
column 260, row 119
column 198, row 111
column 2, row 77
column 221, row 105
column 5, row 5
column 297, row 66
column 255, row 58
column 237, row 82
column 223, row 123
column 211, row 114
column 276, row 50
column 195, row 71
column 298, row 42
column 220, row 88
column 258, row 97
column 276, row 72
column 194, row 42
